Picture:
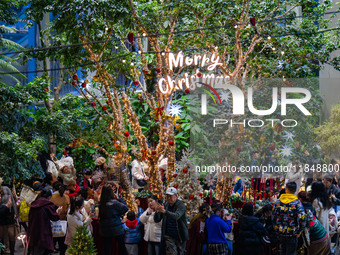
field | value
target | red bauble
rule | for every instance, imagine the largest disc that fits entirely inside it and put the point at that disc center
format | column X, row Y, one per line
column 74, row 83
column 153, row 152
column 238, row 149
column 83, row 85
column 46, row 89
column 75, row 77
column 104, row 108
column 272, row 147
column 187, row 91
column 126, row 134
column 65, row 153
column 199, row 75
column 189, row 186
column 185, row 170
column 136, row 82
column 176, row 186
column 253, row 21
column 201, row 194
column 145, row 71
column 175, row 175
column 93, row 104
column 158, row 70
column 191, row 197
column 107, row 101
column 171, row 143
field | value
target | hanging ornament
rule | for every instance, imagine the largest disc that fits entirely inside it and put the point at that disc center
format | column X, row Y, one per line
column 93, row 104
column 175, row 110
column 74, row 83
column 130, row 37
column 199, row 75
column 176, row 186
column 177, row 126
column 253, row 21
column 201, row 194
column 104, row 108
column 153, row 152
column 158, row 70
column 145, row 71
column 95, row 78
column 65, row 153
column 187, row 91
column 175, row 175
column 75, row 77
column 136, row 83
column 126, row 134
column 83, row 85
column 185, row 170
column 171, row 143
column 165, row 117
column 191, row 197
column 46, row 89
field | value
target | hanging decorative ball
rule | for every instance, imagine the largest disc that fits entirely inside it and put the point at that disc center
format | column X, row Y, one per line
column 158, row 70
column 46, row 89
column 104, row 108
column 272, row 147
column 199, row 75
column 175, row 175
column 176, row 186
column 65, row 153
column 238, row 149
column 201, row 194
column 185, row 170
column 118, row 142
column 74, row 83
column 191, row 197
column 171, row 143
column 126, row 134
column 93, row 104
column 75, row 77
column 145, row 71
column 187, row 91
column 83, row 85
column 153, row 152
column 107, row 101
column 189, row 186
column 136, row 82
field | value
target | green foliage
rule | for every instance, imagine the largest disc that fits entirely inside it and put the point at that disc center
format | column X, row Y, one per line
column 82, row 243
column 328, row 134
column 8, row 10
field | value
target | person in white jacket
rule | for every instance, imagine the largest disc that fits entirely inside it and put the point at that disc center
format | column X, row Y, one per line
column 153, row 230
column 76, row 219
column 139, row 178
column 294, row 174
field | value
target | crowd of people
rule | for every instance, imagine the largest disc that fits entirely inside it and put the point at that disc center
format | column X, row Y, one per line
column 302, row 220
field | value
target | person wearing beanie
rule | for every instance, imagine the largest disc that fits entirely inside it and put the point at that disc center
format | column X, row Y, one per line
column 251, row 233
column 133, row 233
column 216, row 229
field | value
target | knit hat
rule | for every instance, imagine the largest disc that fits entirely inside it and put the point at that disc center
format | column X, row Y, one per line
column 99, row 161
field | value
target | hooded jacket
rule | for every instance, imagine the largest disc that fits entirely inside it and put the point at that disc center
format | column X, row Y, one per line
column 133, row 232
column 288, row 216
column 39, row 231
column 152, row 230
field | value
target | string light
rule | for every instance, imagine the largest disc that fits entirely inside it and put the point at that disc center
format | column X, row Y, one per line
column 116, row 47
column 144, row 34
column 282, row 52
column 273, row 48
column 123, row 60
column 269, row 38
column 132, row 64
column 139, row 52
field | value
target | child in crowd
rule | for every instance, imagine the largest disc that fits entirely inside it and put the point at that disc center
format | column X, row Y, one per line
column 133, row 234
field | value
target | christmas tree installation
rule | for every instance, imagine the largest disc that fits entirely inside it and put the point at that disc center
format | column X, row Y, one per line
column 186, row 181
column 82, row 243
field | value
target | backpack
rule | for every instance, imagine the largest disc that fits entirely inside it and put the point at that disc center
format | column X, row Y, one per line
column 24, row 211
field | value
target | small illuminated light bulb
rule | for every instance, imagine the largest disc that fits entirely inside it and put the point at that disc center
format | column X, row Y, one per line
column 123, row 60
column 132, row 64
column 163, row 53
column 273, row 48
column 106, row 28
column 144, row 34
column 116, row 47
column 235, row 26
column 282, row 52
column 139, row 52
column 269, row 38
